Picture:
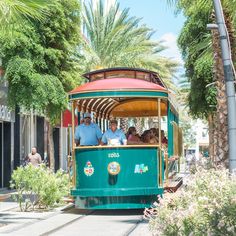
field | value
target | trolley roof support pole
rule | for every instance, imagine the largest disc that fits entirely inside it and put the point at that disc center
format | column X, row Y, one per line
column 160, row 151
column 73, row 140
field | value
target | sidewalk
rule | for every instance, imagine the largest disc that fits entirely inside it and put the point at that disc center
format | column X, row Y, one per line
column 14, row 222
column 6, row 202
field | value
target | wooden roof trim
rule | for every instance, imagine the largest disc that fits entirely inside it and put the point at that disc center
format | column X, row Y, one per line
column 95, row 103
column 99, row 105
column 154, row 75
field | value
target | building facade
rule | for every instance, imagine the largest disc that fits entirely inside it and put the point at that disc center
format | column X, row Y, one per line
column 20, row 131
column 7, row 119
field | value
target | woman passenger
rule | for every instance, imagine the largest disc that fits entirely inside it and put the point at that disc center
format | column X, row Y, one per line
column 145, row 137
column 132, row 136
column 164, row 140
column 153, row 136
column 149, row 137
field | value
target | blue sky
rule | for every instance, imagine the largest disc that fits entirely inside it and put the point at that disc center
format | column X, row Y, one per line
column 157, row 15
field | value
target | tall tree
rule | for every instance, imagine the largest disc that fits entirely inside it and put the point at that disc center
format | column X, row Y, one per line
column 113, row 38
column 42, row 62
column 202, row 56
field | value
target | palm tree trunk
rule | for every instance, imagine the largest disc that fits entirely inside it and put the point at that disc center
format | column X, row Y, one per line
column 221, row 135
column 150, row 123
column 139, row 125
column 211, row 136
column 124, row 124
column 231, row 32
column 221, row 114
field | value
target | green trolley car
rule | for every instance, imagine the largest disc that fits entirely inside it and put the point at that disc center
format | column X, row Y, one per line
column 124, row 176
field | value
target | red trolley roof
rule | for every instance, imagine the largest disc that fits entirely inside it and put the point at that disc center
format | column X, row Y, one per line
column 117, row 84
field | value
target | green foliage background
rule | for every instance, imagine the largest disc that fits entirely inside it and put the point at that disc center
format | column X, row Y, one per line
column 42, row 61
column 195, row 44
column 39, row 187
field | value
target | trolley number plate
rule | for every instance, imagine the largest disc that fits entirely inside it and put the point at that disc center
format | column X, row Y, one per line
column 113, row 155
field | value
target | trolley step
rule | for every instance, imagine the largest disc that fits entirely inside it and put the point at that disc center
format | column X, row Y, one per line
column 172, row 185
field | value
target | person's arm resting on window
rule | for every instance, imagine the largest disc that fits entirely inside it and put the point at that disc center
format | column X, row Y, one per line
column 104, row 139
column 99, row 135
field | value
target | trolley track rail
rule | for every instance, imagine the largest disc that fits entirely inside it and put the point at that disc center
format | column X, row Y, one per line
column 135, row 222
column 67, row 223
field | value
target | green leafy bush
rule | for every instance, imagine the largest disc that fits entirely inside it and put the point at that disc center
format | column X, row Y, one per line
column 206, row 206
column 39, row 186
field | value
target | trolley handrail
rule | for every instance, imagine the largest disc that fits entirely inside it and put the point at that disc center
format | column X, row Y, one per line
column 117, row 146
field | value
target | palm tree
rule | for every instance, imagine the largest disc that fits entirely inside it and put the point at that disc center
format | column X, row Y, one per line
column 16, row 11
column 113, row 38
column 218, row 132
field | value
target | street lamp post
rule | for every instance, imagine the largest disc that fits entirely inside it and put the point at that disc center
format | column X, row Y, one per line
column 229, row 81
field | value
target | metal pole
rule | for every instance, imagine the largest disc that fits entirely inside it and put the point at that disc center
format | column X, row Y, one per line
column 229, row 81
column 160, row 148
column 73, row 142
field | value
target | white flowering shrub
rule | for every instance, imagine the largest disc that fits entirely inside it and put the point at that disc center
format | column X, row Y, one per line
column 205, row 206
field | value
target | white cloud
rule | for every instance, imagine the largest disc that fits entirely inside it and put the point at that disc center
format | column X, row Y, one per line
column 172, row 51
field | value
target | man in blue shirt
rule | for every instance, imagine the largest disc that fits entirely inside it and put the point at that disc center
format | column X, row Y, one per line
column 88, row 133
column 114, row 136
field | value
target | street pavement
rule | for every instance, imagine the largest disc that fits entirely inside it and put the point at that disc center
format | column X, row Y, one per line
column 73, row 223
column 70, row 221
column 106, row 223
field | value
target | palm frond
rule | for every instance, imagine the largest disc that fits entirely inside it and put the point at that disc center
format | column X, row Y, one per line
column 116, row 39
column 15, row 11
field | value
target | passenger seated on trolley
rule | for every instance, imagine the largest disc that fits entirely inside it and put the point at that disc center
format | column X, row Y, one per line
column 164, row 140
column 145, row 137
column 132, row 136
column 114, row 136
column 154, row 135
column 87, row 133
column 148, row 137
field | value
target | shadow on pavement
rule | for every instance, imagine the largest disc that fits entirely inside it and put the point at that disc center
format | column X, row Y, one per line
column 105, row 212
